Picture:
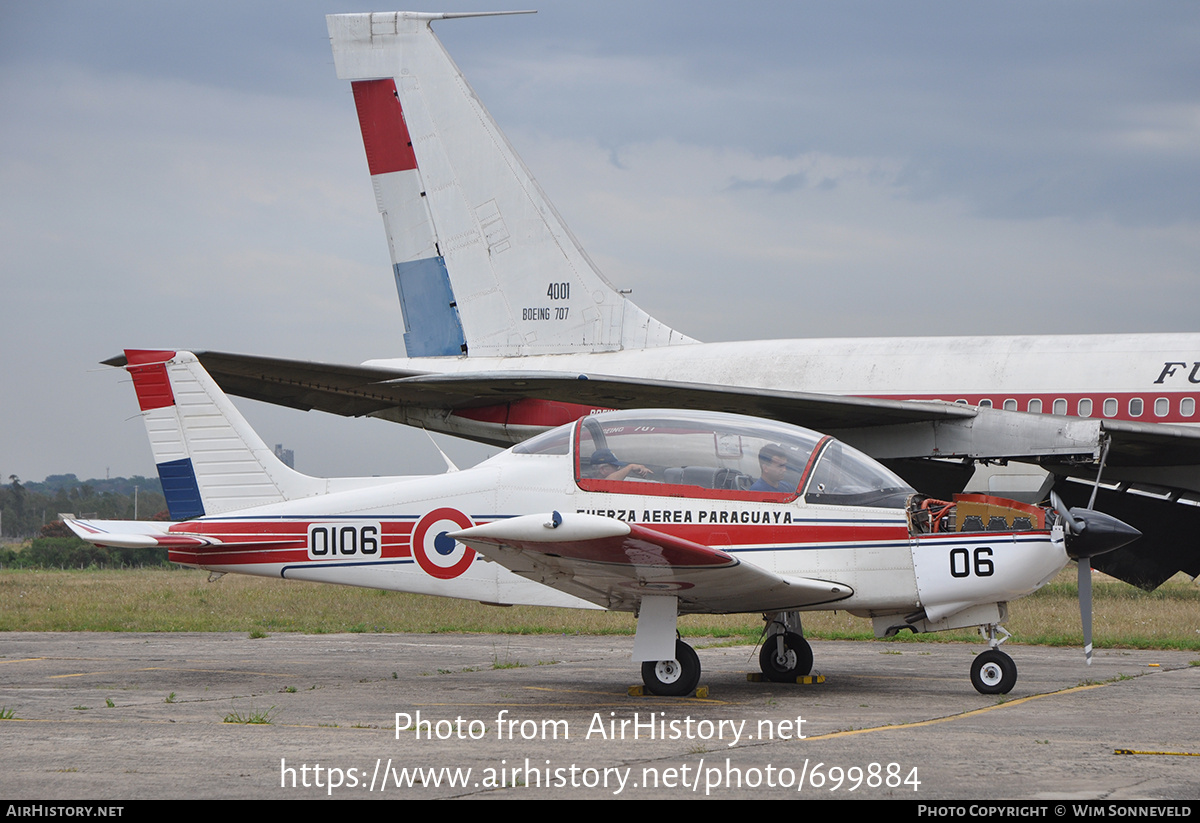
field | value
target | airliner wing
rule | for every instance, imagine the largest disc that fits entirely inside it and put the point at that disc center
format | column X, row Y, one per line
column 1151, row 444
column 885, row 429
column 816, row 411
column 354, row 391
column 614, row 564
column 300, row 384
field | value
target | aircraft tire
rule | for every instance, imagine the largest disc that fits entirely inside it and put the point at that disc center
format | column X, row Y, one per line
column 673, row 678
column 797, row 658
column 993, row 672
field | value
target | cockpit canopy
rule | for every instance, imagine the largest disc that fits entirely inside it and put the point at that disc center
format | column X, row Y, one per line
column 709, row 454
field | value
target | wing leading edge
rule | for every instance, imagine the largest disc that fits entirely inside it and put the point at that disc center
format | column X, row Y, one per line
column 883, row 428
column 615, row 564
column 355, row 391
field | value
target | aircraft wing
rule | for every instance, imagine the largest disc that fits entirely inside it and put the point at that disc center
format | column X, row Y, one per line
column 883, row 428
column 355, row 391
column 349, row 391
column 614, row 564
column 1151, row 444
column 490, row 407
column 815, row 411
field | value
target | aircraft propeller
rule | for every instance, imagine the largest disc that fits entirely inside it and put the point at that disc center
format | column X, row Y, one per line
column 1090, row 533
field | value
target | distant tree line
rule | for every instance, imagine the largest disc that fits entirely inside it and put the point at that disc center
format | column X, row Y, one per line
column 73, row 553
column 26, row 507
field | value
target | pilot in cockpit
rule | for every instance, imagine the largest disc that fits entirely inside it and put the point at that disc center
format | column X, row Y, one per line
column 773, row 466
column 604, row 465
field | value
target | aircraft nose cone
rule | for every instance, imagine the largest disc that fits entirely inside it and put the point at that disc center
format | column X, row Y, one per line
column 1100, row 533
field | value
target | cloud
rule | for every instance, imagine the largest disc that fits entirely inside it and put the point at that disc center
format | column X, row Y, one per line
column 809, row 170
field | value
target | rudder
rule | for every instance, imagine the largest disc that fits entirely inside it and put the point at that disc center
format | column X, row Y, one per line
column 208, row 457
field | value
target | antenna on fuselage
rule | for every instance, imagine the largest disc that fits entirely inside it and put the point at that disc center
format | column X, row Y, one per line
column 450, row 467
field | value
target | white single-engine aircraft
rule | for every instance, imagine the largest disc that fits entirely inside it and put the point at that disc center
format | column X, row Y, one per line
column 511, row 329
column 657, row 512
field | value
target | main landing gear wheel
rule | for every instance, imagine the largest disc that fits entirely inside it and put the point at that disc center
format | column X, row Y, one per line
column 673, row 678
column 795, row 661
column 993, row 672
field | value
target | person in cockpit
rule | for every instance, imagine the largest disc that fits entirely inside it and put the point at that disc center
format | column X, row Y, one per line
column 604, row 465
column 773, row 466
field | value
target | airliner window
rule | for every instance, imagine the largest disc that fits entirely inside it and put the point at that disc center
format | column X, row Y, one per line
column 692, row 454
column 846, row 477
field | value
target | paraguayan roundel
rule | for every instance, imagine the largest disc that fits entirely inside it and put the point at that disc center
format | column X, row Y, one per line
column 441, row 556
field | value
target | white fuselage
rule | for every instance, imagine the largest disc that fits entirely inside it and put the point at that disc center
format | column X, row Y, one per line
column 387, row 538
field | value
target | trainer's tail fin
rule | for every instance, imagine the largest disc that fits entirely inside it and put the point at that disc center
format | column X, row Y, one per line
column 209, row 459
column 483, row 262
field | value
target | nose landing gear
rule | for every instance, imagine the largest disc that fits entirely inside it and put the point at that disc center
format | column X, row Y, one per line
column 993, row 671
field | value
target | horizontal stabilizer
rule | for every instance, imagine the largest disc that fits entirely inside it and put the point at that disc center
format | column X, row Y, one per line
column 135, row 534
column 142, row 534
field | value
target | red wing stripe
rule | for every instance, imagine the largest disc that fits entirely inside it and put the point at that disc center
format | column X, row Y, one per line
column 641, row 547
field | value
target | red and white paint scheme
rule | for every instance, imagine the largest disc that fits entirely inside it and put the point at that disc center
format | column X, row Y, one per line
column 512, row 329
column 656, row 512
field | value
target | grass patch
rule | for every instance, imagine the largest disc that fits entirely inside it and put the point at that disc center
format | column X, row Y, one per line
column 253, row 717
column 152, row 600
column 7, row 714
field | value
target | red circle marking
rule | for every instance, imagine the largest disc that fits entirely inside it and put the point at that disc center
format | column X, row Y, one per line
column 424, row 551
column 660, row 586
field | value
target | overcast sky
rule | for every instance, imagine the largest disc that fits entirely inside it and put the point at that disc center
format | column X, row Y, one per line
column 191, row 176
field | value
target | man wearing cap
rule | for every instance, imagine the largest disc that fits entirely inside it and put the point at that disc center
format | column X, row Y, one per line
column 605, row 466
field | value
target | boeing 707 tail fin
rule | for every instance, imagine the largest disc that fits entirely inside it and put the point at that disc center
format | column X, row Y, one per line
column 483, row 262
